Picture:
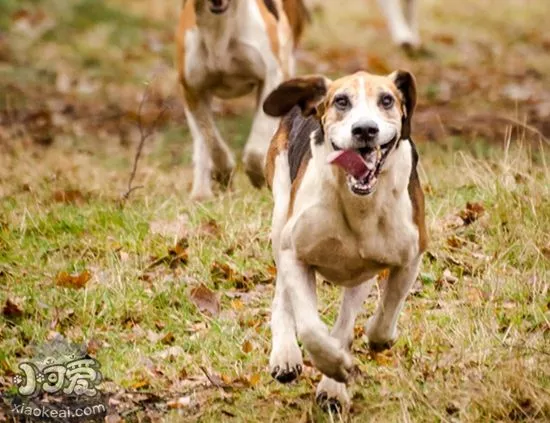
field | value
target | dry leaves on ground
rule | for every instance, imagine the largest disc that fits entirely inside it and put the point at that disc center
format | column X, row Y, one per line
column 11, row 309
column 75, row 281
column 205, row 299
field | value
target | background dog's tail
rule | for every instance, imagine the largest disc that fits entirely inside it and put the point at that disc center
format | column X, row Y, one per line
column 298, row 16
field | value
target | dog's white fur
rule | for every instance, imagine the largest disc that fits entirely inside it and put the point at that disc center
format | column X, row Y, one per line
column 228, row 56
column 346, row 239
column 402, row 21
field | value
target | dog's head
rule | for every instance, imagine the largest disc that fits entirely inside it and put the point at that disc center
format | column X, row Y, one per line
column 363, row 117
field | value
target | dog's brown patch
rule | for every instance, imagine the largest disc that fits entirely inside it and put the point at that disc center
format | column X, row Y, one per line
column 188, row 20
column 272, row 7
column 271, row 27
column 279, row 144
column 298, row 16
column 417, row 199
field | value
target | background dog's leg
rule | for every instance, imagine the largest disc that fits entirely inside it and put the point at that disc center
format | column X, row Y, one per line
column 401, row 33
column 333, row 395
column 262, row 130
column 209, row 150
column 411, row 15
column 326, row 352
column 381, row 328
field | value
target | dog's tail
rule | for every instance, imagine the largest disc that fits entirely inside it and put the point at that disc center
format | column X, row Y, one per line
column 298, row 17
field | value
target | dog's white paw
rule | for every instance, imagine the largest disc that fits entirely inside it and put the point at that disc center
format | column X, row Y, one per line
column 201, row 194
column 285, row 361
column 407, row 39
column 332, row 396
column 328, row 355
column 379, row 339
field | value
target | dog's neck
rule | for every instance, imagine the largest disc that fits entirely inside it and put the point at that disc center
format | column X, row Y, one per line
column 391, row 187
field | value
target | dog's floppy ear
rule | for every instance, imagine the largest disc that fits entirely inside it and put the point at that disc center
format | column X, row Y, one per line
column 307, row 92
column 406, row 84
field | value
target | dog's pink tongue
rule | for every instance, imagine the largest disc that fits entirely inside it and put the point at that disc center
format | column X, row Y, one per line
column 349, row 160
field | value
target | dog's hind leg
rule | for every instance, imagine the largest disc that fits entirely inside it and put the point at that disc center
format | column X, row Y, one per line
column 401, row 32
column 381, row 328
column 210, row 153
column 411, row 15
column 332, row 395
column 263, row 128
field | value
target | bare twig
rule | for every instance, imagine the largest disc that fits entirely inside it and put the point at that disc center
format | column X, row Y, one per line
column 211, row 380
column 144, row 135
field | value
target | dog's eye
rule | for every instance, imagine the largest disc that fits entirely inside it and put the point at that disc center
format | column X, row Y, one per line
column 342, row 102
column 386, row 101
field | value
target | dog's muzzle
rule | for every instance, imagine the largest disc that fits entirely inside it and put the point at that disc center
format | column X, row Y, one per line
column 218, row 6
column 362, row 165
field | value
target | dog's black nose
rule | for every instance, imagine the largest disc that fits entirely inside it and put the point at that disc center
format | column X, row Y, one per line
column 364, row 130
column 216, row 3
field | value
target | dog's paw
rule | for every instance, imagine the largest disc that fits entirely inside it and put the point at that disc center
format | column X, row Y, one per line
column 328, row 355
column 379, row 340
column 407, row 40
column 285, row 362
column 254, row 168
column 332, row 396
column 223, row 177
column 201, row 195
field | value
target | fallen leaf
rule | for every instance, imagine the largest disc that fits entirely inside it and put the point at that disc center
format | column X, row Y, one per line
column 75, row 281
column 205, row 300
column 11, row 309
column 254, row 379
column 210, row 228
column 472, row 212
column 71, row 196
column 237, row 304
column 247, row 346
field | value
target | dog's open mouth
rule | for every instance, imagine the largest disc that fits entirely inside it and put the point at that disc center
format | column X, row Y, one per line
column 362, row 165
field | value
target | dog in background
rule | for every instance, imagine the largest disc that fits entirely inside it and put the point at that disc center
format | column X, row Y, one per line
column 226, row 49
column 401, row 17
column 347, row 205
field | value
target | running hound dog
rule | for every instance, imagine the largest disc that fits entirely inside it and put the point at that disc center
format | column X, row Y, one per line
column 228, row 48
column 347, row 205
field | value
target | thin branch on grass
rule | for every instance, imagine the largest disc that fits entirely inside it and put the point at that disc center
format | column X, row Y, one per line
column 144, row 135
column 211, row 380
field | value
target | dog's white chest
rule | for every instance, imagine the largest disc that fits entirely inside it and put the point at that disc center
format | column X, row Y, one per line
column 226, row 66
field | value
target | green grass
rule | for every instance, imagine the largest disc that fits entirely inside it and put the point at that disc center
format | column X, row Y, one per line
column 472, row 349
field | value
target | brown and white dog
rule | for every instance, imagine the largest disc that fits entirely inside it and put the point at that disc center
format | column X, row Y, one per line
column 347, row 205
column 228, row 48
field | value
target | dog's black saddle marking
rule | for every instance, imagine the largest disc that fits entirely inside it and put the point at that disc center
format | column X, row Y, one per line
column 272, row 7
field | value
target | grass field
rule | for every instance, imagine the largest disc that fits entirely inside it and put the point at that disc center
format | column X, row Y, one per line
column 474, row 339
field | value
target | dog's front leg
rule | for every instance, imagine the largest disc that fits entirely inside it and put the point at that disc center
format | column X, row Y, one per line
column 208, row 148
column 327, row 353
column 285, row 361
column 332, row 395
column 381, row 328
column 263, row 128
